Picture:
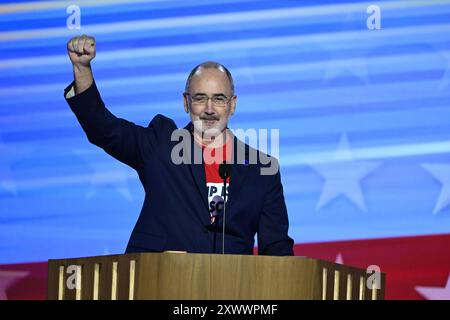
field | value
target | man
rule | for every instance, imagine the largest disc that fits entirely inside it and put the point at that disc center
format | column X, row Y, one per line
column 182, row 208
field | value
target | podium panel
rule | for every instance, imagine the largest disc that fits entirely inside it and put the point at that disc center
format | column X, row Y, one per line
column 208, row 276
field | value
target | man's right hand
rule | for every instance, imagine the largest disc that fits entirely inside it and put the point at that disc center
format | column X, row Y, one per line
column 81, row 50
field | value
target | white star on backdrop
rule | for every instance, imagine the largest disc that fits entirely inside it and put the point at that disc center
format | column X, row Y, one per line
column 356, row 63
column 339, row 64
column 9, row 278
column 435, row 293
column 342, row 62
column 343, row 175
column 442, row 173
column 108, row 173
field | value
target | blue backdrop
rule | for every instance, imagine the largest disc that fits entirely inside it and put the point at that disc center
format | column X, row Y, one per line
column 363, row 114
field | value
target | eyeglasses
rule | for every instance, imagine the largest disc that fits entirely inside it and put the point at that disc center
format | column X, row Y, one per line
column 217, row 100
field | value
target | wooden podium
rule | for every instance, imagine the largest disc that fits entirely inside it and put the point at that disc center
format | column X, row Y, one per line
column 207, row 276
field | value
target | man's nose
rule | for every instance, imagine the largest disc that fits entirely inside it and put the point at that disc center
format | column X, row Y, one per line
column 209, row 107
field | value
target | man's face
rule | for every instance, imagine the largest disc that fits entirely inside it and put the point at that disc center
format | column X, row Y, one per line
column 209, row 116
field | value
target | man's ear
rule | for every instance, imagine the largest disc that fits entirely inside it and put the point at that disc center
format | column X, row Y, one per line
column 233, row 105
column 186, row 103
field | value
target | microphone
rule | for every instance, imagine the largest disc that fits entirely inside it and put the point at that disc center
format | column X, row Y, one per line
column 224, row 173
column 215, row 213
column 225, row 170
column 218, row 206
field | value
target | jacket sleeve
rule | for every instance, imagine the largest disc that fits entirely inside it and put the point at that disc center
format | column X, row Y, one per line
column 273, row 226
column 124, row 140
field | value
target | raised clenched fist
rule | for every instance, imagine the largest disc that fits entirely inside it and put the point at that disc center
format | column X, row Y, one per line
column 81, row 50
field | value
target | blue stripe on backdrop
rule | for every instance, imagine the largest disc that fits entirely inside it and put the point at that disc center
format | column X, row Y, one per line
column 150, row 39
column 138, row 11
column 314, row 71
column 260, row 58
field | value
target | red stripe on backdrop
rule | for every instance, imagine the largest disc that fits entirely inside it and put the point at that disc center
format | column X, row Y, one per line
column 23, row 281
column 408, row 262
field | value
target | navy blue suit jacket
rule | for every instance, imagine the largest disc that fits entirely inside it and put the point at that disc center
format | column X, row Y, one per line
column 175, row 213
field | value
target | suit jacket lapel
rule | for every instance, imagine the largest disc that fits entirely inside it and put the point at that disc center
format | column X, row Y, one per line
column 198, row 173
column 239, row 171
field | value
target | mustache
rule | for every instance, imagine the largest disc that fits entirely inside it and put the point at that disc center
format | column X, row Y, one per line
column 207, row 117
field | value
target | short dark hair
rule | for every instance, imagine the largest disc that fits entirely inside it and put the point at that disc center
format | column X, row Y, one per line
column 210, row 65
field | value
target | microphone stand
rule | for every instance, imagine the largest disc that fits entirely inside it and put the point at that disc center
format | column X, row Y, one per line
column 225, row 173
column 224, row 205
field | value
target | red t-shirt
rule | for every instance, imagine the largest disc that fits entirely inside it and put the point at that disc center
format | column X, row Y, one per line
column 212, row 158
